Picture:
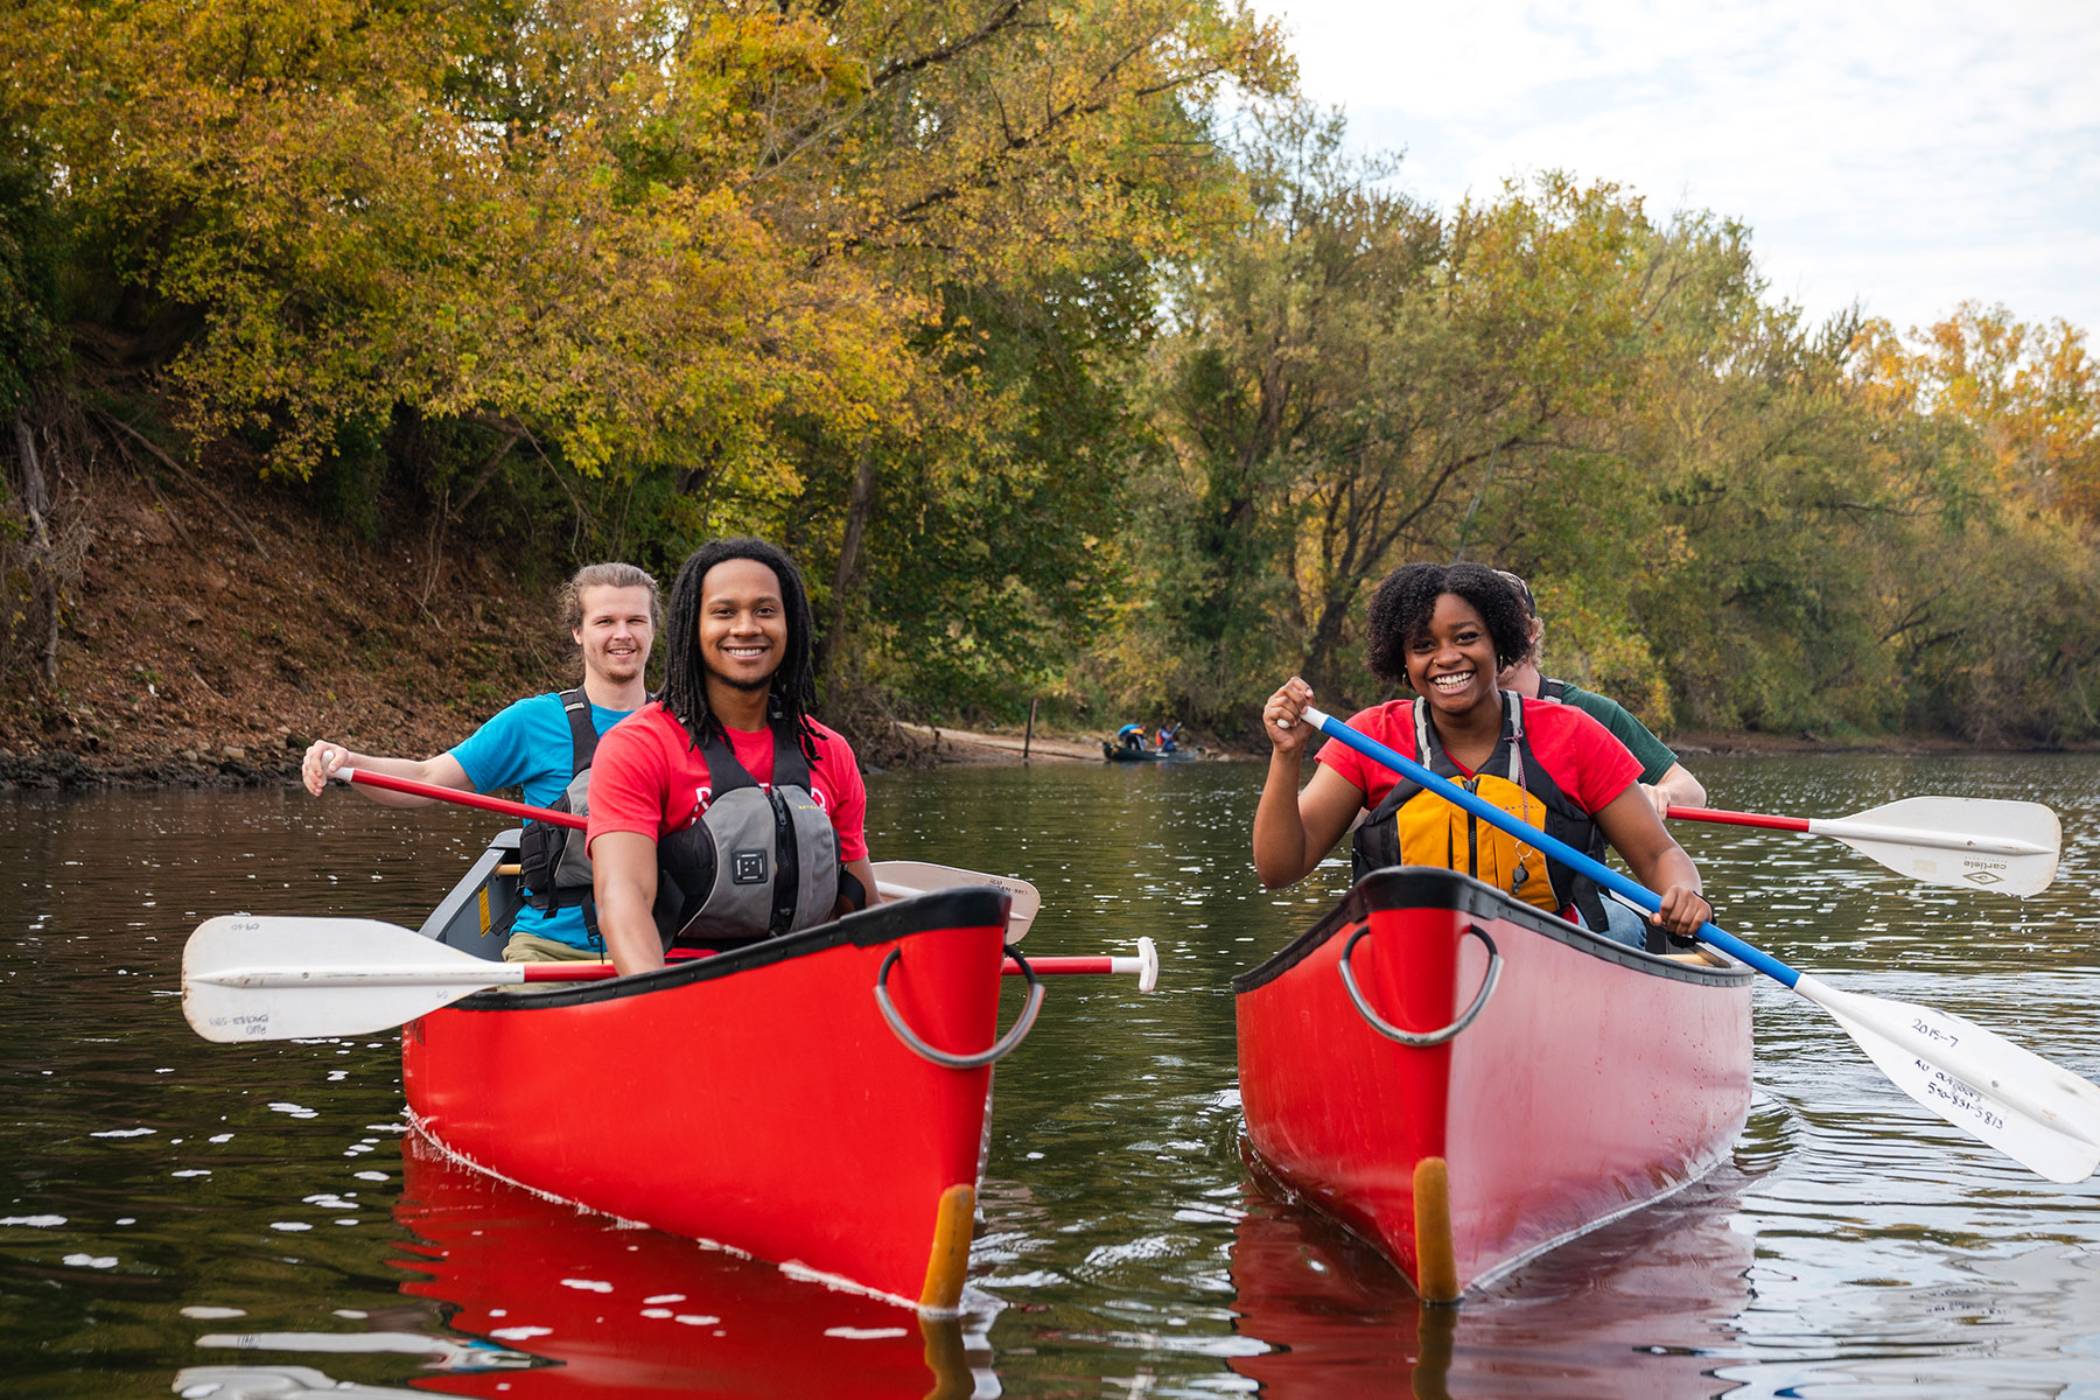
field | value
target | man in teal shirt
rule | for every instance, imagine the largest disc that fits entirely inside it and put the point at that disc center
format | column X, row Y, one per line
column 610, row 611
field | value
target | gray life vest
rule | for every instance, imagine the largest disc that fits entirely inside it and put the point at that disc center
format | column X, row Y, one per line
column 756, row 864
column 554, row 862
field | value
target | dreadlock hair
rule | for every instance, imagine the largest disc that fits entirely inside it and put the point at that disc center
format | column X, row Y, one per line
column 791, row 692
column 1405, row 601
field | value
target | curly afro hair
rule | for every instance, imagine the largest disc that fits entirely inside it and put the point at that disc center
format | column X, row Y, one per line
column 1405, row 600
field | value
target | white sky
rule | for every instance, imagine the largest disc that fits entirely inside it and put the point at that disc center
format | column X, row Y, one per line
column 1904, row 155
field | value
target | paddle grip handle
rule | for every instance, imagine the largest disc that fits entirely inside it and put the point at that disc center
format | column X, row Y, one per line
column 1581, row 861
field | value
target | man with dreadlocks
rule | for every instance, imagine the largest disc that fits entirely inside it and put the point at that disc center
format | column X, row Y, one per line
column 724, row 813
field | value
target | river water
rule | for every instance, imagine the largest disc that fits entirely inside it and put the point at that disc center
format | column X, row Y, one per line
column 253, row 1220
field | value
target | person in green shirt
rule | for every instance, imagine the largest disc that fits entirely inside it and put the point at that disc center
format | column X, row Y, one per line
column 1667, row 782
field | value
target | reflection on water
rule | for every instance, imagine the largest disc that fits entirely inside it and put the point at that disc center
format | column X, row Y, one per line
column 1644, row 1307
column 244, row 1217
column 610, row 1310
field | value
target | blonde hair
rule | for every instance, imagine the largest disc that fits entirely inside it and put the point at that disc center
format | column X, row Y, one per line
column 605, row 576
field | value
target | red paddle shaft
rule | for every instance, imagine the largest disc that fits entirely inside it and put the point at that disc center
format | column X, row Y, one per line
column 1711, row 814
column 461, row 796
column 1044, row 967
column 1098, row 966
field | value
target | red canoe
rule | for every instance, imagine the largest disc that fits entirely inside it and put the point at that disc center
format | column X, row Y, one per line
column 1556, row 1080
column 764, row 1099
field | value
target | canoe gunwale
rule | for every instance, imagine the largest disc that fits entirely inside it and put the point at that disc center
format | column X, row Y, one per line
column 1427, row 887
column 971, row 906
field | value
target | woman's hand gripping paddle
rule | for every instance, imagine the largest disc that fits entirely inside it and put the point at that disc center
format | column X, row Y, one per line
column 2039, row 1114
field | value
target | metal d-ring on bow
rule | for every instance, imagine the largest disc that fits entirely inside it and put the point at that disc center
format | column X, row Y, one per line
column 1000, row 1048
column 1421, row 1040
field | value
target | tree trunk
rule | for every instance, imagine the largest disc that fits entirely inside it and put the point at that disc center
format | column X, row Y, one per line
column 846, row 577
column 37, row 501
column 1318, row 665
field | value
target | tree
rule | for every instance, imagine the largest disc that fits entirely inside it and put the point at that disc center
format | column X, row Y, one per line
column 703, row 261
column 1355, row 380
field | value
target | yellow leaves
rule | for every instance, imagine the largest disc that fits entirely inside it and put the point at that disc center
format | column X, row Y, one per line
column 2029, row 394
column 710, row 237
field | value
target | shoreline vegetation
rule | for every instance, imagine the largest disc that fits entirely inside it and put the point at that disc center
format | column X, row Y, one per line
column 331, row 340
column 217, row 630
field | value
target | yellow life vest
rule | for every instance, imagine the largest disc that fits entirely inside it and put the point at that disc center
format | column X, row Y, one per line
column 1414, row 826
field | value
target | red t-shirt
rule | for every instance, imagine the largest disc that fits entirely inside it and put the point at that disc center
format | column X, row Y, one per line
column 649, row 778
column 1580, row 755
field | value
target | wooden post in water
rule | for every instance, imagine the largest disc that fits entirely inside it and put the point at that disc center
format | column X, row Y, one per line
column 1028, row 736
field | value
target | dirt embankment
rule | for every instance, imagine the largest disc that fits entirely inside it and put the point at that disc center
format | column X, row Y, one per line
column 218, row 630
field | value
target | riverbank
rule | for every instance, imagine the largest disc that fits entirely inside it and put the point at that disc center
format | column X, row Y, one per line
column 998, row 746
column 212, row 637
column 218, row 628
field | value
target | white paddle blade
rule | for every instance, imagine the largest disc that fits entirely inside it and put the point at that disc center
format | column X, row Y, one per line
column 253, row 978
column 2039, row 1114
column 1978, row 843
column 901, row 879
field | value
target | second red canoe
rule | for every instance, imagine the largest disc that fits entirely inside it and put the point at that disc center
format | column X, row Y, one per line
column 1467, row 1082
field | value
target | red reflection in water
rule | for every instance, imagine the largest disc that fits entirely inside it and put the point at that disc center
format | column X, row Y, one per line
column 1640, row 1308
column 612, row 1311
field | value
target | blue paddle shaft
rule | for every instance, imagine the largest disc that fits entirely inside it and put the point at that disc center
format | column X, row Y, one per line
column 1581, row 861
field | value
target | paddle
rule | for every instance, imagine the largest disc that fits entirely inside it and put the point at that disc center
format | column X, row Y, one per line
column 901, row 879
column 894, row 879
column 2042, row 1116
column 1975, row 842
column 246, row 977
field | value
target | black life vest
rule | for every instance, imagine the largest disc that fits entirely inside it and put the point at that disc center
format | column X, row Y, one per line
column 756, row 863
column 1414, row 826
column 554, row 862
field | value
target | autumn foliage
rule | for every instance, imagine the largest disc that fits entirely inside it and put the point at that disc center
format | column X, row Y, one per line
column 1071, row 355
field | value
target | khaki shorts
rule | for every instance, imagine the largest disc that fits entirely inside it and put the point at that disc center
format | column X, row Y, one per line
column 530, row 947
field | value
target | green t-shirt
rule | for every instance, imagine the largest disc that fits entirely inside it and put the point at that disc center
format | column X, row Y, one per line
column 1654, row 755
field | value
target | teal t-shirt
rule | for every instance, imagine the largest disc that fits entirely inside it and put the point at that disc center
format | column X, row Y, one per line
column 1653, row 754
column 526, row 746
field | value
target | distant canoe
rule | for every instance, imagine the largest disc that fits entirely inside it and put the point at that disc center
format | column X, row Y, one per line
column 1117, row 754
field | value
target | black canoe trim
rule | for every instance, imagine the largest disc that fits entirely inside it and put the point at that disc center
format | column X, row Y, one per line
column 1426, row 887
column 969, row 906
